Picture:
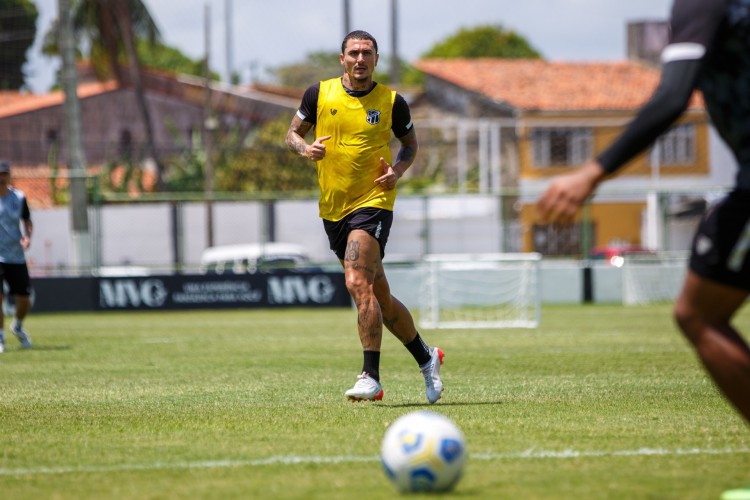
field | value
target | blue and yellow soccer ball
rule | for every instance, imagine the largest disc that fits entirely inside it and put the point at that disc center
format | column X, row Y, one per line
column 423, row 451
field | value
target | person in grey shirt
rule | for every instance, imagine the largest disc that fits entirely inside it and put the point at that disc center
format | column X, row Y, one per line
column 14, row 213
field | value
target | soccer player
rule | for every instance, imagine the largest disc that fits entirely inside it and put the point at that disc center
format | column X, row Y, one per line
column 353, row 118
column 14, row 211
column 709, row 49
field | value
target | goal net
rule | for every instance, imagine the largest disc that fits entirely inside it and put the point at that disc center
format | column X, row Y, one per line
column 481, row 291
column 652, row 278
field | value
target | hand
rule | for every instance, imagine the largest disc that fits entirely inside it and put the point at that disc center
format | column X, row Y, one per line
column 25, row 242
column 389, row 177
column 564, row 196
column 317, row 150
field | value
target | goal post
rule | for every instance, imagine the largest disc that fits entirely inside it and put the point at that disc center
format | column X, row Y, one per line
column 647, row 279
column 466, row 291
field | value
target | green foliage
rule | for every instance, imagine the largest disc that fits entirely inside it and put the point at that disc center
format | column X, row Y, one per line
column 98, row 36
column 260, row 163
column 164, row 57
column 316, row 67
column 599, row 402
column 409, row 75
column 267, row 164
column 484, row 41
column 320, row 66
column 17, row 33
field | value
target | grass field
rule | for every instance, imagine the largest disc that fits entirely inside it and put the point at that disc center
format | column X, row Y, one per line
column 599, row 402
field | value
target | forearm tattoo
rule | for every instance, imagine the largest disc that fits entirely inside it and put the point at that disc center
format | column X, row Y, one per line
column 406, row 155
column 295, row 137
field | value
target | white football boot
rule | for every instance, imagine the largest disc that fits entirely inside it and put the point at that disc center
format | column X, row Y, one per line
column 366, row 389
column 22, row 336
column 431, row 373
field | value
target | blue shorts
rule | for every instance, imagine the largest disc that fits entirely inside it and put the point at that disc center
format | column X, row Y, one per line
column 375, row 221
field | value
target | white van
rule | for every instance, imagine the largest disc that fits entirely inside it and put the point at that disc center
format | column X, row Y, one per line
column 253, row 258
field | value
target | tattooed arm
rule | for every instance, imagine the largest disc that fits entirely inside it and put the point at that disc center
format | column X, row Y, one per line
column 404, row 159
column 407, row 153
column 295, row 140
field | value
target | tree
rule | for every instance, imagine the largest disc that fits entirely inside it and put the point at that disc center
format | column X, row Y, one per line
column 317, row 66
column 484, row 41
column 112, row 28
column 170, row 59
column 17, row 33
column 267, row 165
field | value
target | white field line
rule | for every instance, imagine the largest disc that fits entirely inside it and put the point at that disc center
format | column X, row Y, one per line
column 296, row 460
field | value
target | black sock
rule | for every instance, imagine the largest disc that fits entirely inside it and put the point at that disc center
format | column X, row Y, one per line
column 419, row 350
column 371, row 365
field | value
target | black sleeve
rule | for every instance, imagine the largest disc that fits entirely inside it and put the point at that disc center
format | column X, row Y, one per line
column 308, row 109
column 401, row 117
column 25, row 212
column 668, row 102
column 696, row 21
column 694, row 24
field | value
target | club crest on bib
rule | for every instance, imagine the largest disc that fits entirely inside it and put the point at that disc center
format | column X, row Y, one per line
column 373, row 116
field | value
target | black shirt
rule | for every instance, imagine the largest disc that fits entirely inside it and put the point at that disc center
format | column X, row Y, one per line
column 401, row 116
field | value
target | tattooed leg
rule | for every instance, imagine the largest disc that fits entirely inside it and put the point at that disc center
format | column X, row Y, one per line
column 361, row 262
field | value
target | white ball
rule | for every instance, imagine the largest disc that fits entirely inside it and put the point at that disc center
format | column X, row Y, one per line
column 423, row 451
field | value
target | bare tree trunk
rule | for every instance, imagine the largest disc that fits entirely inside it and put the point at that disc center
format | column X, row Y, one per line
column 109, row 37
column 125, row 23
column 76, row 160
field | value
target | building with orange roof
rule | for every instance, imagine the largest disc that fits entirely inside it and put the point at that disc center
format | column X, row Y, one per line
column 32, row 126
column 549, row 117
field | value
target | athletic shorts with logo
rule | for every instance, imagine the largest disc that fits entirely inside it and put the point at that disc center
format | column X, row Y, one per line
column 721, row 246
column 375, row 221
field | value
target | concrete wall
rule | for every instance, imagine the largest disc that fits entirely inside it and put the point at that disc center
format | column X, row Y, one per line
column 141, row 235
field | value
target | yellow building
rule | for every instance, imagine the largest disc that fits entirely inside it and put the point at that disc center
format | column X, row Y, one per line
column 555, row 115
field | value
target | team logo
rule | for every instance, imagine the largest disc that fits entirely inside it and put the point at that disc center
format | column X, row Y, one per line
column 334, row 111
column 373, row 116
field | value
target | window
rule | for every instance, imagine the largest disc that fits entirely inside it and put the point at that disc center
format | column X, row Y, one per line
column 126, row 143
column 52, row 137
column 677, row 146
column 561, row 147
column 556, row 239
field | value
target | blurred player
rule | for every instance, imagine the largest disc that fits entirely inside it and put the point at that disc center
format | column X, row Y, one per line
column 709, row 49
column 354, row 117
column 14, row 211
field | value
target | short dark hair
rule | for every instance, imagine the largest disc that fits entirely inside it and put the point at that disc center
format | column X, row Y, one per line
column 359, row 35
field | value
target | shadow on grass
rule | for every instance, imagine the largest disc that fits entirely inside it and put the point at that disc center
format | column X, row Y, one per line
column 40, row 348
column 437, row 405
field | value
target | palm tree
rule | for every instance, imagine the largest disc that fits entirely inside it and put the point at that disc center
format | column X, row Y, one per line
column 112, row 26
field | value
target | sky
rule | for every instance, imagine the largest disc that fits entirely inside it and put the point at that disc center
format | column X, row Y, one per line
column 263, row 34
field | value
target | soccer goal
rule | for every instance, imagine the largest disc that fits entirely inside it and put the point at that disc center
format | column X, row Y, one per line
column 652, row 278
column 481, row 291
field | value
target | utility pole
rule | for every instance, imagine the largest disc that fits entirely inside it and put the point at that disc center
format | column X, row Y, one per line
column 347, row 18
column 394, row 43
column 228, row 14
column 76, row 159
column 209, row 125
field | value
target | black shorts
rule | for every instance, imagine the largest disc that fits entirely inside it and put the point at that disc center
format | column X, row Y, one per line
column 17, row 278
column 375, row 221
column 721, row 246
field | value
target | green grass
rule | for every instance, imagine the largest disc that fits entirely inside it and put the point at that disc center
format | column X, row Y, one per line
column 600, row 402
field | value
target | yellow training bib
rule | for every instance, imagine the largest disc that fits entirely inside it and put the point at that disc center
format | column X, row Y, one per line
column 360, row 130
